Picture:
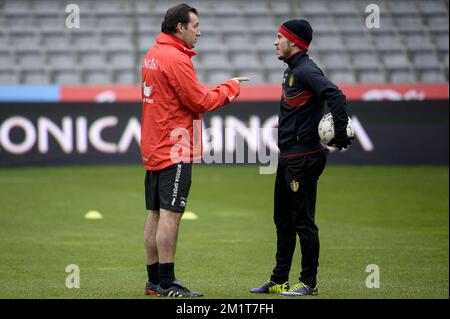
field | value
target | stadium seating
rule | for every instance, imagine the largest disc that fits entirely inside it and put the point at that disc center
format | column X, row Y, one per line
column 411, row 44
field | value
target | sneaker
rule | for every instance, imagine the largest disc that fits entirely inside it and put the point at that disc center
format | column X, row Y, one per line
column 150, row 288
column 177, row 290
column 271, row 288
column 300, row 289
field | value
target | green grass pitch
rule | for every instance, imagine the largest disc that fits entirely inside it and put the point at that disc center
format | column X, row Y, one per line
column 394, row 217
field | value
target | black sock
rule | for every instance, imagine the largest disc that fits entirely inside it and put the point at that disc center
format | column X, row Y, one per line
column 166, row 275
column 153, row 273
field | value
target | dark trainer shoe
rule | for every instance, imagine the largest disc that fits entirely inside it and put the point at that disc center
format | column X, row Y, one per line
column 300, row 289
column 150, row 289
column 271, row 288
column 177, row 290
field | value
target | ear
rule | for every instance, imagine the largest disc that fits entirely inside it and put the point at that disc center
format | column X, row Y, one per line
column 180, row 27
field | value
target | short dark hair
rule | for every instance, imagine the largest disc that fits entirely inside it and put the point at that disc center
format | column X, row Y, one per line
column 175, row 15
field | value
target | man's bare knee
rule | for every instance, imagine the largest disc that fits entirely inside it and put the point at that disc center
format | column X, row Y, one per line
column 170, row 217
column 153, row 213
column 151, row 223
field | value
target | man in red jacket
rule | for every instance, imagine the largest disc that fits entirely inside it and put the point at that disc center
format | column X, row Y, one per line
column 172, row 102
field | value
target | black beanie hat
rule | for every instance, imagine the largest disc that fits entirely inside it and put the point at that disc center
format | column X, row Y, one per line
column 298, row 31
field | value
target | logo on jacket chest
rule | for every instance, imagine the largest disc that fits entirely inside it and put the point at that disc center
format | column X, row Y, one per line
column 291, row 80
column 150, row 64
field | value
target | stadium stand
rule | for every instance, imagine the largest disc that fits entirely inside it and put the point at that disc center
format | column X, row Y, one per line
column 410, row 46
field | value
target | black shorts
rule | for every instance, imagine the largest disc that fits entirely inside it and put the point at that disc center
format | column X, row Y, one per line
column 168, row 188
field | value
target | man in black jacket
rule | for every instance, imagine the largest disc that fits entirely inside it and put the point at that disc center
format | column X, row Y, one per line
column 302, row 157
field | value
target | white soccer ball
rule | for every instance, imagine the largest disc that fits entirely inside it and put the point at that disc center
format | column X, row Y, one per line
column 326, row 128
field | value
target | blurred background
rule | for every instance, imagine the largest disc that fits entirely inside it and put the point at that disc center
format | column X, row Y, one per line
column 411, row 45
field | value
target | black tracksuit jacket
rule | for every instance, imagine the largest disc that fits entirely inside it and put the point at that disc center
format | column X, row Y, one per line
column 305, row 91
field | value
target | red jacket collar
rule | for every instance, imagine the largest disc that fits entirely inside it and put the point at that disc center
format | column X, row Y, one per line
column 165, row 38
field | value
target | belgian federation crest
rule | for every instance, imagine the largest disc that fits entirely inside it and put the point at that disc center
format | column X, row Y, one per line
column 295, row 185
column 291, row 80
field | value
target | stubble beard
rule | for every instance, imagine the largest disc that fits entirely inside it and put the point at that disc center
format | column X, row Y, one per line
column 285, row 53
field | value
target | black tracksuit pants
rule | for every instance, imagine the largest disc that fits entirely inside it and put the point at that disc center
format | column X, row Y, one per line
column 295, row 204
